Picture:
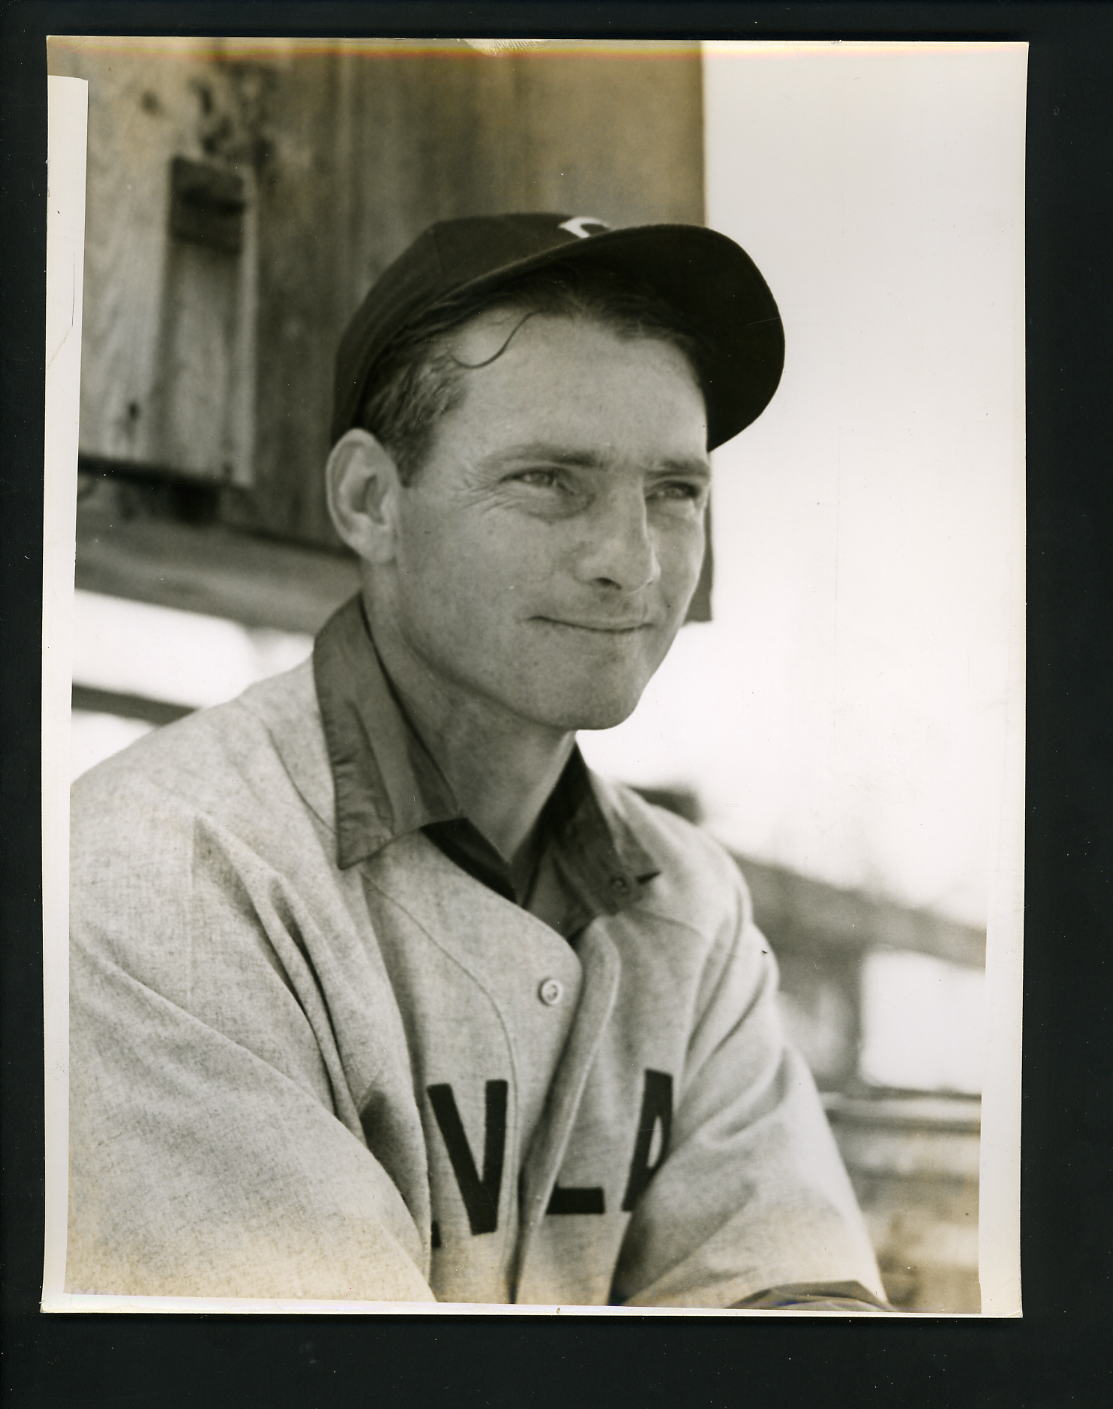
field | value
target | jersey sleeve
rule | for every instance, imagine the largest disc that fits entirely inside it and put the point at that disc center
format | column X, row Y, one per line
column 210, row 1153
column 751, row 1193
column 850, row 1297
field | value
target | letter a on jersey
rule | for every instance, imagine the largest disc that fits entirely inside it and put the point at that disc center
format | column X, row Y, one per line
column 655, row 1119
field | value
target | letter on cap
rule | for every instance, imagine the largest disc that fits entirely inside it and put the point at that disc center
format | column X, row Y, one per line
column 575, row 226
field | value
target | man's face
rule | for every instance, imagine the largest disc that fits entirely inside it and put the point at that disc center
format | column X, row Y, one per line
column 549, row 546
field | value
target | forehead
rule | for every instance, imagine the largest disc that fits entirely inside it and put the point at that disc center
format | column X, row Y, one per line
column 487, row 332
column 567, row 371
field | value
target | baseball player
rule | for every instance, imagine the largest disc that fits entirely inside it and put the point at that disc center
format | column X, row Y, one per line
column 378, row 994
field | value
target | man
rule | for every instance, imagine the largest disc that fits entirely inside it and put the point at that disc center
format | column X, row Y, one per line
column 377, row 993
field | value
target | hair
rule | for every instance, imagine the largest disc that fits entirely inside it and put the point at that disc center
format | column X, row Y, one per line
column 418, row 379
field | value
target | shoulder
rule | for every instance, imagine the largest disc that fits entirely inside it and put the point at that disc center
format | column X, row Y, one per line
column 695, row 917
column 182, row 841
column 243, row 766
column 699, row 883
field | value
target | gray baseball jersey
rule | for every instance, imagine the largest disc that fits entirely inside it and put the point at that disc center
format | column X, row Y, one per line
column 383, row 1081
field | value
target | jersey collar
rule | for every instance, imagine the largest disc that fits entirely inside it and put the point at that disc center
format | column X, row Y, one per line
column 387, row 783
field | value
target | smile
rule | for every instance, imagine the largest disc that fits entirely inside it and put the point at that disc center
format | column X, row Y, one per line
column 604, row 628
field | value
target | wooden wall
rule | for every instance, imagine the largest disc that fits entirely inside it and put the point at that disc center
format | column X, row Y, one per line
column 210, row 361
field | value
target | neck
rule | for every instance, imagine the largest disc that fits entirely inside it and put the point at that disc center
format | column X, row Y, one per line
column 501, row 768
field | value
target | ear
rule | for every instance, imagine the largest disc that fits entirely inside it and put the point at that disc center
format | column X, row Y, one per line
column 362, row 484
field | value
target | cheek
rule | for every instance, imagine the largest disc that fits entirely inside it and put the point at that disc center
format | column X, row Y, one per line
column 466, row 574
column 680, row 553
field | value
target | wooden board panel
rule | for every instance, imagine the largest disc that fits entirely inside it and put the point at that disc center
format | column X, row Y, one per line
column 168, row 337
column 811, row 917
column 300, row 223
column 217, row 571
column 388, row 140
column 219, row 364
column 613, row 132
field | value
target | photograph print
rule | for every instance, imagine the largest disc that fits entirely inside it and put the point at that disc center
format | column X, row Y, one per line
column 545, row 677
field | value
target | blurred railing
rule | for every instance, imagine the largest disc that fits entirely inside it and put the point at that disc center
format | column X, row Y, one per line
column 913, row 1161
column 912, row 1154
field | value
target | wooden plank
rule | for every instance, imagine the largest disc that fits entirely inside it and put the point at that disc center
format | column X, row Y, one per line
column 124, row 706
column 168, row 370
column 961, row 1114
column 130, row 142
column 303, row 197
column 810, row 915
column 612, row 130
column 218, row 571
column 196, row 424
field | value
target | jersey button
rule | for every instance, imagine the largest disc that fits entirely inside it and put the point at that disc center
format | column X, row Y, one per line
column 550, row 991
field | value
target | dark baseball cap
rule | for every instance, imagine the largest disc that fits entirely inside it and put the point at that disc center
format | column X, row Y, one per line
column 710, row 281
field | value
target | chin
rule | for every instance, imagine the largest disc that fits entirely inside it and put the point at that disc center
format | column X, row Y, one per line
column 595, row 710
column 606, row 718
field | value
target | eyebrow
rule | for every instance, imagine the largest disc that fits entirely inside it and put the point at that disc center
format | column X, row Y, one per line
column 692, row 466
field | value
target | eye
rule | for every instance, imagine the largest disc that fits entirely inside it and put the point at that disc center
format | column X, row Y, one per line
column 541, row 479
column 679, row 491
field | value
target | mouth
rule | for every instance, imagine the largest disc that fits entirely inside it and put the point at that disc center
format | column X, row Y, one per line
column 600, row 628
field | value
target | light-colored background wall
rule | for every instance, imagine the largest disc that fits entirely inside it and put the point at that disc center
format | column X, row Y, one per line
column 843, row 712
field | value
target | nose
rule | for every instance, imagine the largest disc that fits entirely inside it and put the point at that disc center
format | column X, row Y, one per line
column 619, row 547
